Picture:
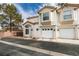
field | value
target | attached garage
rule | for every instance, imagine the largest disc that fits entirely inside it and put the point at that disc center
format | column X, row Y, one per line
column 47, row 33
column 68, row 33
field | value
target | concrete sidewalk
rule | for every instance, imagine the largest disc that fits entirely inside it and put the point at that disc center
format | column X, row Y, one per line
column 69, row 41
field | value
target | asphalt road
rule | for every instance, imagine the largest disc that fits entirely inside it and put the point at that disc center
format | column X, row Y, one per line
column 64, row 48
column 7, row 50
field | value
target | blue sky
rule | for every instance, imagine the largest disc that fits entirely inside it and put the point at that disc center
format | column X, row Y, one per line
column 28, row 9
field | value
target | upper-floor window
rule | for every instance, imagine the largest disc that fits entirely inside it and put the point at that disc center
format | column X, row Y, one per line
column 67, row 14
column 46, row 16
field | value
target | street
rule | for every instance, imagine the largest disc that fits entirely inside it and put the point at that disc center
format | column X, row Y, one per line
column 7, row 50
column 64, row 48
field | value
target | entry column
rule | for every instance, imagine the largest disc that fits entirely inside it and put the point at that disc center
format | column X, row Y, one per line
column 56, row 32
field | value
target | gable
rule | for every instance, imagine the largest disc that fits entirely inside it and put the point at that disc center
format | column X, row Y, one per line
column 46, row 9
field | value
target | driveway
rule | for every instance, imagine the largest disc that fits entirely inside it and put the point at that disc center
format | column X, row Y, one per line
column 64, row 48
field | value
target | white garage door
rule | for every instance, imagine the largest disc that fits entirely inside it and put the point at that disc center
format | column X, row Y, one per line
column 47, row 33
column 67, row 33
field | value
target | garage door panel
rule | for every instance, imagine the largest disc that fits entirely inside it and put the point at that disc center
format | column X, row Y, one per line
column 47, row 34
column 66, row 33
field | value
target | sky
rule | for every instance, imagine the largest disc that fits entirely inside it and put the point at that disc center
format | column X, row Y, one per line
column 29, row 9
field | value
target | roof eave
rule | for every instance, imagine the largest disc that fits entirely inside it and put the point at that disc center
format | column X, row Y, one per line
column 51, row 7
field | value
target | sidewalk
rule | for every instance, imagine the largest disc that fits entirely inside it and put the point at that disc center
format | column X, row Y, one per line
column 69, row 41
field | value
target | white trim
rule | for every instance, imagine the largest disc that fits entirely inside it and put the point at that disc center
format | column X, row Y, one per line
column 29, row 35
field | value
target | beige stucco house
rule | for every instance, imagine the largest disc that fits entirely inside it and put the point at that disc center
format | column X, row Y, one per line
column 54, row 23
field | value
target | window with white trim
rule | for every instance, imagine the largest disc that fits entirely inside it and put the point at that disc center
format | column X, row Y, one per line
column 46, row 16
column 27, row 29
column 67, row 14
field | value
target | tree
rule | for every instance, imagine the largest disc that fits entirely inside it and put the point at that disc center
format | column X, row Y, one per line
column 1, row 17
column 17, row 18
column 11, row 12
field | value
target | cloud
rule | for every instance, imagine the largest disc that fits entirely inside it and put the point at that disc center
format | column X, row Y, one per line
column 29, row 13
column 24, row 13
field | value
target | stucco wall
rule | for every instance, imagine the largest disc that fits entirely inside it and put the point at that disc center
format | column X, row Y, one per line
column 6, row 34
column 33, row 20
column 36, row 33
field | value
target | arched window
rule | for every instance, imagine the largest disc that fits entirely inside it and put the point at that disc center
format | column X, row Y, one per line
column 27, row 26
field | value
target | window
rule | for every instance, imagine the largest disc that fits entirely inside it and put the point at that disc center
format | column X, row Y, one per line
column 48, row 29
column 37, row 29
column 27, row 26
column 67, row 14
column 43, row 29
column 27, row 31
column 46, row 16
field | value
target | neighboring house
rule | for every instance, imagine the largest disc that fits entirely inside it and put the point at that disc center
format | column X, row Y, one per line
column 54, row 23
column 69, row 20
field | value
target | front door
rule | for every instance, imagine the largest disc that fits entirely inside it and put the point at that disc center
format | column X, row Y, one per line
column 28, row 31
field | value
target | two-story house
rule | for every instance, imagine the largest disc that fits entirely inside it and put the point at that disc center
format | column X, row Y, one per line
column 48, row 22
column 54, row 23
column 68, row 21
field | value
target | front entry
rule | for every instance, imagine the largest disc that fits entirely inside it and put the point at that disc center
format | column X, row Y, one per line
column 28, row 31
